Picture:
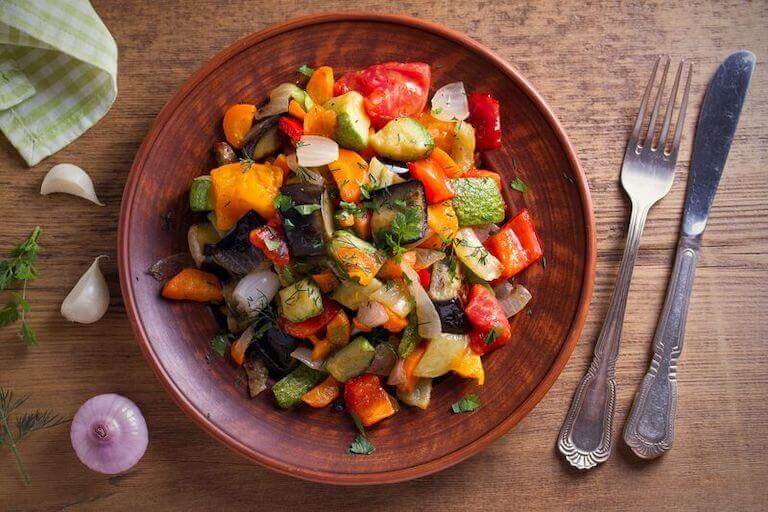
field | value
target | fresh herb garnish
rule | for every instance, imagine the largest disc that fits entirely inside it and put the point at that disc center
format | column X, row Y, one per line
column 353, row 209
column 220, row 343
column 361, row 445
column 405, row 226
column 306, row 209
column 437, row 111
column 20, row 267
column 365, row 190
column 26, row 424
column 517, row 184
column 467, row 403
column 305, row 70
column 491, row 337
column 283, row 202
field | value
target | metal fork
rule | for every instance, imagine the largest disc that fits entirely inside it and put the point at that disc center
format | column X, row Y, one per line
column 646, row 175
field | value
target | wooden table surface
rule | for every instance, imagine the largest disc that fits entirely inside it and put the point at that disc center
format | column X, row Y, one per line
column 590, row 63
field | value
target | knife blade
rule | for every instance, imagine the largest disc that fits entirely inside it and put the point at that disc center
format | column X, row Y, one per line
column 650, row 427
column 717, row 124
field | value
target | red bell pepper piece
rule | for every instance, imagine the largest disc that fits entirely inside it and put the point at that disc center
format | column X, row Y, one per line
column 486, row 119
column 271, row 241
column 516, row 245
column 365, row 397
column 425, row 277
column 312, row 325
column 491, row 328
column 436, row 185
column 292, row 128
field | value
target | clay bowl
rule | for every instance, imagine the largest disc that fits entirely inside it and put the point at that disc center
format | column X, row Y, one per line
column 312, row 444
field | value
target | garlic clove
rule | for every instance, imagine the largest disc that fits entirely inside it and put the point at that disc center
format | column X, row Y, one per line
column 89, row 299
column 69, row 179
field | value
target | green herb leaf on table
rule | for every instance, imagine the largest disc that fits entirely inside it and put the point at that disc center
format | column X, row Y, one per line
column 20, row 267
column 305, row 70
column 467, row 403
column 517, row 184
column 26, row 424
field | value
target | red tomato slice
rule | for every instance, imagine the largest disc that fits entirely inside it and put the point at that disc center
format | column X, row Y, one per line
column 312, row 325
column 391, row 89
column 485, row 314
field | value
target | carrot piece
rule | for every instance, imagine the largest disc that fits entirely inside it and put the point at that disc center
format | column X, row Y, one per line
column 323, row 394
column 321, row 350
column 320, row 121
column 326, row 280
column 409, row 365
column 338, row 330
column 237, row 351
column 395, row 322
column 237, row 121
column 296, row 110
column 320, row 85
column 446, row 163
column 391, row 269
column 195, row 285
column 362, row 225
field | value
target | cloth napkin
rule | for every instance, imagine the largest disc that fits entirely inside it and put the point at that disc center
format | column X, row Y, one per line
column 58, row 73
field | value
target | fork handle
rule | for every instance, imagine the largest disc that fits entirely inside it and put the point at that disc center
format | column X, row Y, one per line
column 585, row 437
column 650, row 428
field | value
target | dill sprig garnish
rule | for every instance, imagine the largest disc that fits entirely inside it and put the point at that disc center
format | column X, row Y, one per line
column 20, row 267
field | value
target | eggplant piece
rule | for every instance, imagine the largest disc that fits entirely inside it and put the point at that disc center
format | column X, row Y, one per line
column 257, row 131
column 452, row 317
column 304, row 233
column 234, row 252
column 407, row 198
column 275, row 348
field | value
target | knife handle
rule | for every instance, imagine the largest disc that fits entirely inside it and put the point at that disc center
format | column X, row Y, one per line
column 650, row 428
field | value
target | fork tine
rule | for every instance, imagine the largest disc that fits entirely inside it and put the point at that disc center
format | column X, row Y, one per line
column 681, row 116
column 670, row 107
column 655, row 114
column 643, row 104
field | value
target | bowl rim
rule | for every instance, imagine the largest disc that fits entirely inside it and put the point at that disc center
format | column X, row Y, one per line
column 460, row 453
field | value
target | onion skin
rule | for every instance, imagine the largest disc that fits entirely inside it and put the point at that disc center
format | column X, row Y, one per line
column 109, row 434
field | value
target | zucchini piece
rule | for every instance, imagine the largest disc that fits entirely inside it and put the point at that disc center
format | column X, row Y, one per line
column 304, row 233
column 352, row 121
column 420, row 395
column 453, row 320
column 356, row 259
column 441, row 352
column 406, row 202
column 411, row 337
column 403, row 139
column 289, row 390
column 352, row 295
column 301, row 300
column 477, row 201
column 381, row 174
column 351, row 360
column 463, row 148
column 268, row 143
column 446, row 282
column 477, row 259
column 200, row 199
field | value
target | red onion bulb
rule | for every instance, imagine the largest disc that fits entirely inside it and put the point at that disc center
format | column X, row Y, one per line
column 109, row 434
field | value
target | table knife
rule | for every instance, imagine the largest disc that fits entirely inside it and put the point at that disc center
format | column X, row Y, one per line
column 650, row 428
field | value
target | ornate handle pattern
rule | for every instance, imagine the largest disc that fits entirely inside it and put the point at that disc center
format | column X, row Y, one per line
column 650, row 428
column 585, row 437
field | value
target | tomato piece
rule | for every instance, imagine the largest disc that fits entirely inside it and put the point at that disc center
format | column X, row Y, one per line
column 293, row 128
column 425, row 277
column 436, row 186
column 272, row 243
column 491, row 328
column 485, row 117
column 516, row 245
column 390, row 90
column 365, row 397
column 312, row 325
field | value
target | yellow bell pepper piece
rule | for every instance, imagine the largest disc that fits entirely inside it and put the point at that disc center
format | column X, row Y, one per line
column 442, row 220
column 240, row 187
column 470, row 366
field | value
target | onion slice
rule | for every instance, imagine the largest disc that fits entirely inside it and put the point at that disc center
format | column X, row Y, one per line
column 384, row 360
column 450, row 103
column 69, row 179
column 89, row 299
column 512, row 298
column 279, row 97
column 315, row 150
column 429, row 320
column 255, row 291
column 304, row 355
column 371, row 314
column 397, row 375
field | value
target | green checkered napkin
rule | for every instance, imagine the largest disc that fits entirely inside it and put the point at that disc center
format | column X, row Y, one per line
column 58, row 73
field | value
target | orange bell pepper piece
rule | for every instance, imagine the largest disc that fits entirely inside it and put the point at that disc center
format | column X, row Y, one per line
column 282, row 162
column 240, row 187
column 362, row 225
column 395, row 322
column 296, row 110
column 350, row 172
column 391, row 268
column 409, row 365
column 470, row 366
column 237, row 121
column 237, row 351
column 338, row 330
column 436, row 185
column 446, row 164
column 323, row 394
column 365, row 397
column 195, row 285
column 320, row 121
column 321, row 350
column 442, row 132
column 326, row 280
column 442, row 220
column 320, row 85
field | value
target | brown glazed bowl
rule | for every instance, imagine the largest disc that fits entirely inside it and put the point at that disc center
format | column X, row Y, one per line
column 312, row 444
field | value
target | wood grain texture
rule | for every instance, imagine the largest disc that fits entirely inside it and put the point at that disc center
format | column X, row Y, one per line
column 589, row 62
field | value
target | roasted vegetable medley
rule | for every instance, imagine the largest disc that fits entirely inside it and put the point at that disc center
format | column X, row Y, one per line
column 353, row 243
